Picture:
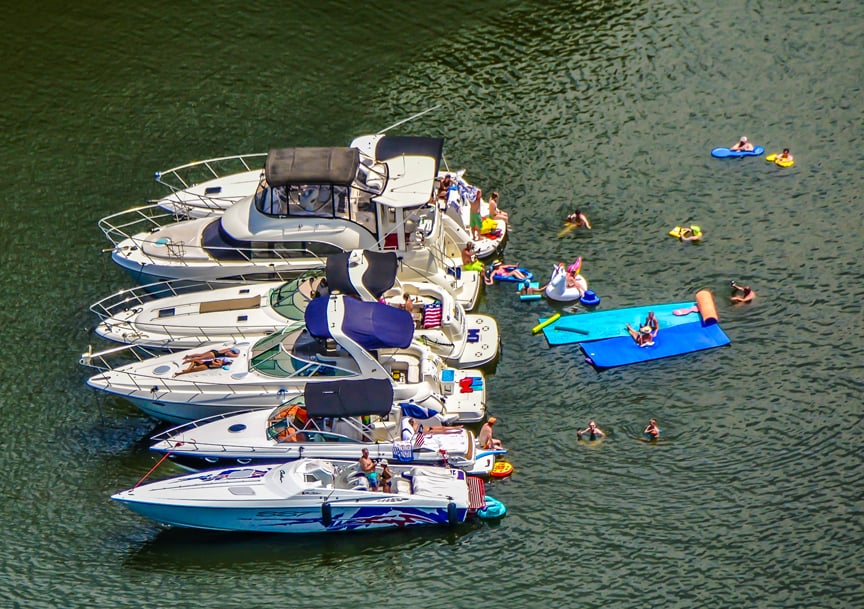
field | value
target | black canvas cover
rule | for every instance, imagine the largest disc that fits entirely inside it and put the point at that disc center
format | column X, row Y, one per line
column 349, row 398
column 301, row 166
column 392, row 146
column 379, row 276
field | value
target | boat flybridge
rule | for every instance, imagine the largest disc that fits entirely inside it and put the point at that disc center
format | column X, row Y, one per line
column 312, row 202
column 343, row 338
column 162, row 316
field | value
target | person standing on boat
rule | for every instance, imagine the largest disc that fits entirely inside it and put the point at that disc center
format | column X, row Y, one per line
column 386, row 477
column 444, row 186
column 652, row 430
column 476, row 218
column 592, row 431
column 367, row 466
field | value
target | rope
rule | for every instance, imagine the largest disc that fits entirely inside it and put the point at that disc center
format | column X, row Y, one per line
column 152, row 469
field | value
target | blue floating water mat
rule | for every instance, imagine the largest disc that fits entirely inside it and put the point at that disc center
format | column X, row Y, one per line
column 598, row 325
column 674, row 340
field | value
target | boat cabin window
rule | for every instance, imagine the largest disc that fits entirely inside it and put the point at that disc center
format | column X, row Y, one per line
column 319, row 200
column 298, row 354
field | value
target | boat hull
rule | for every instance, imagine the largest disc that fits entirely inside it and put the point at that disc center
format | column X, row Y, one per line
column 277, row 518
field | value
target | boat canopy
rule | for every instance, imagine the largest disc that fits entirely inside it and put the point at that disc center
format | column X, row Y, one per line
column 379, row 276
column 302, row 166
column 392, row 146
column 349, row 398
column 372, row 325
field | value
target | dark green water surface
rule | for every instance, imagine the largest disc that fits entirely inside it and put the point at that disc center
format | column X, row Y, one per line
column 754, row 497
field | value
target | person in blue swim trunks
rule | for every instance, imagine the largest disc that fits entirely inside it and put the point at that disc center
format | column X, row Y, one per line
column 367, row 466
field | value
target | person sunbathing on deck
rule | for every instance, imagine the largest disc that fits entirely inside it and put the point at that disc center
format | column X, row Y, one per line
column 208, row 356
column 196, row 366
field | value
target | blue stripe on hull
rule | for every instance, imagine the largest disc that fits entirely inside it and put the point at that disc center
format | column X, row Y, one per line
column 293, row 520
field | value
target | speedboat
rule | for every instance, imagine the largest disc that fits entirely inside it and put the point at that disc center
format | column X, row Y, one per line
column 186, row 319
column 312, row 202
column 343, row 338
column 333, row 420
column 307, row 496
column 204, row 188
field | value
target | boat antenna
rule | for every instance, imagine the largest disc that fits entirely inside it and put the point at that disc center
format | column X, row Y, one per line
column 410, row 118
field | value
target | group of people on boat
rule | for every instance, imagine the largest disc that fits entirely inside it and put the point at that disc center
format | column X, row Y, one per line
column 382, row 481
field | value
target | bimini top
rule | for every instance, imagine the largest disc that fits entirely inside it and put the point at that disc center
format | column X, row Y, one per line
column 379, row 276
column 392, row 146
column 349, row 398
column 372, row 325
column 300, row 166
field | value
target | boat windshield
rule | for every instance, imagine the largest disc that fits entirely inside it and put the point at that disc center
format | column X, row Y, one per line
column 295, row 353
column 290, row 299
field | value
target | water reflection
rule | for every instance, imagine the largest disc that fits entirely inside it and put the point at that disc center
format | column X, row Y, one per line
column 184, row 549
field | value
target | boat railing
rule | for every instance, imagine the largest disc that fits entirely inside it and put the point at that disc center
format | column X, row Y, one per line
column 145, row 219
column 189, row 174
column 109, row 360
column 133, row 297
column 187, row 254
column 165, row 436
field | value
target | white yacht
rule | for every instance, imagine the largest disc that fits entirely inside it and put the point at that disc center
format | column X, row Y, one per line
column 343, row 338
column 333, row 420
column 170, row 315
column 312, row 202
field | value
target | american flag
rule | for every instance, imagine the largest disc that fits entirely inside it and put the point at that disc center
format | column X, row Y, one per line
column 419, row 439
column 432, row 315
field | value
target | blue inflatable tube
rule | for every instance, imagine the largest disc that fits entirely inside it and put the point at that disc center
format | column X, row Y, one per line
column 528, row 274
column 494, row 509
column 726, row 153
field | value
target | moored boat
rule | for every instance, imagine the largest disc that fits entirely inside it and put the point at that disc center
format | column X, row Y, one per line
column 312, row 202
column 307, row 496
column 342, row 338
column 334, row 420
